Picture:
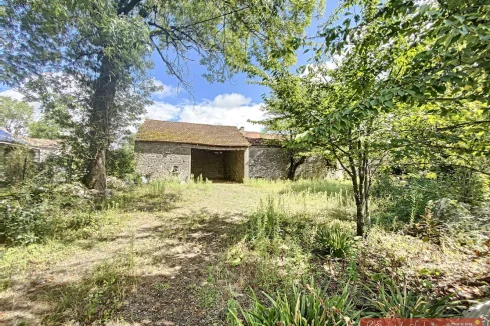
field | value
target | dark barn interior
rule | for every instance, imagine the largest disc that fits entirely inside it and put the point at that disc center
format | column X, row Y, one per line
column 218, row 165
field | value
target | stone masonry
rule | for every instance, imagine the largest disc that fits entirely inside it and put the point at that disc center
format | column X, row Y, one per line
column 268, row 162
column 157, row 160
column 179, row 150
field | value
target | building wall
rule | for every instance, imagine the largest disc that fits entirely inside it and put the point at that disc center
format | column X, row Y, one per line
column 209, row 164
column 41, row 154
column 273, row 163
column 235, row 165
column 268, row 162
column 317, row 167
column 156, row 160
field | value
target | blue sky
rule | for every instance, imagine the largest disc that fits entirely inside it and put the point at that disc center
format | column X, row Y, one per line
column 230, row 103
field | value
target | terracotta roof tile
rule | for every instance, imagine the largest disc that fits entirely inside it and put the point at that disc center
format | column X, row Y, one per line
column 191, row 133
column 257, row 138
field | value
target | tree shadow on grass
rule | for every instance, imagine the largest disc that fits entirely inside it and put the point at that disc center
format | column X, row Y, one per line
column 170, row 283
column 149, row 202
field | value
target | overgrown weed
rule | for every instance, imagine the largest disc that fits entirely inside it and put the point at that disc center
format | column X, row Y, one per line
column 97, row 298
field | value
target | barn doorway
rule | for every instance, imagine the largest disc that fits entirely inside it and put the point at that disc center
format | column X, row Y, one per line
column 218, row 165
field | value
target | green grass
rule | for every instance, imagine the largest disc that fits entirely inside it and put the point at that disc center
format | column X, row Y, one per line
column 105, row 223
column 264, row 237
column 18, row 259
column 97, row 298
column 297, row 220
column 310, row 185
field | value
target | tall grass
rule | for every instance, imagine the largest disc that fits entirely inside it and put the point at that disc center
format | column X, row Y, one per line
column 388, row 300
column 310, row 185
column 286, row 212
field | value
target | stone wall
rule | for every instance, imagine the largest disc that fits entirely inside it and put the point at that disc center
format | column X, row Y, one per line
column 268, row 162
column 235, row 165
column 317, row 167
column 209, row 164
column 156, row 160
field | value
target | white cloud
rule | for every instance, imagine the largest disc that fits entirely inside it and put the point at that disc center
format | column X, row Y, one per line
column 165, row 90
column 162, row 111
column 230, row 100
column 225, row 109
column 12, row 94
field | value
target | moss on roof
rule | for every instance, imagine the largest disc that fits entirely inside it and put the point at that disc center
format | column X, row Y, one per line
column 191, row 133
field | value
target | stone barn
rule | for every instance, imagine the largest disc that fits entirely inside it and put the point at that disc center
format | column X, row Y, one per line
column 178, row 150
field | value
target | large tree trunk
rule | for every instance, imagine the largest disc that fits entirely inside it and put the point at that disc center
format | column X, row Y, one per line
column 293, row 166
column 96, row 178
column 102, row 107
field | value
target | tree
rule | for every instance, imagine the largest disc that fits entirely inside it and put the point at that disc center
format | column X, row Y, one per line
column 324, row 103
column 93, row 56
column 15, row 115
column 120, row 160
column 436, row 54
column 401, row 63
column 44, row 128
column 280, row 106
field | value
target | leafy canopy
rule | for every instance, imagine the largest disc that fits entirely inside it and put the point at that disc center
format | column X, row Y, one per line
column 15, row 115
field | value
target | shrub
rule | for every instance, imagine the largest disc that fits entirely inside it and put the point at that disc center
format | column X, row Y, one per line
column 305, row 305
column 406, row 198
column 449, row 219
column 334, row 240
column 23, row 224
column 389, row 301
column 19, row 166
column 120, row 161
column 34, row 213
column 428, row 228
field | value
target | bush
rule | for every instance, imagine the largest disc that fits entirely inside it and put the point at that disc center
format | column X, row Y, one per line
column 120, row 162
column 428, row 228
column 389, row 301
column 404, row 199
column 23, row 224
column 34, row 213
column 19, row 166
column 334, row 240
column 305, row 305
column 451, row 220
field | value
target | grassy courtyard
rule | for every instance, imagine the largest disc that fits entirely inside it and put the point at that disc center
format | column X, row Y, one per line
column 222, row 254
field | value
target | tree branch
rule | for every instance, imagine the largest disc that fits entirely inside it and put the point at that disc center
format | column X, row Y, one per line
column 125, row 9
column 463, row 125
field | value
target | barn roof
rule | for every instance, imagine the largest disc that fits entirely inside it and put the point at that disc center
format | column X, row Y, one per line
column 191, row 133
column 39, row 142
column 258, row 138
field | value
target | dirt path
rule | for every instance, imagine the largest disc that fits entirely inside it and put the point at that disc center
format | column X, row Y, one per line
column 173, row 253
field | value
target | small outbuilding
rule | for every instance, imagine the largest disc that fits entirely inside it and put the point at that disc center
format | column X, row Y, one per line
column 177, row 149
column 180, row 150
